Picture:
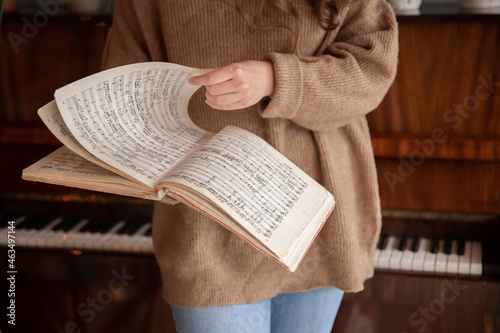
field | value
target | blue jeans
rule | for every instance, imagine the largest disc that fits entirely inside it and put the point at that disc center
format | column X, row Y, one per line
column 312, row 311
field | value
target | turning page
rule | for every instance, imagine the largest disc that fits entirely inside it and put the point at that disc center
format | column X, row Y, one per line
column 52, row 118
column 134, row 117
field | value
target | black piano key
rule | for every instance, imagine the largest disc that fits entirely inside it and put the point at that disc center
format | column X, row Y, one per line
column 403, row 243
column 447, row 246
column 26, row 223
column 148, row 232
column 93, row 226
column 67, row 224
column 87, row 227
column 131, row 227
column 31, row 222
column 6, row 218
column 435, row 245
column 42, row 224
column 416, row 243
column 384, row 238
column 461, row 247
column 398, row 241
column 138, row 225
column 107, row 225
column 125, row 228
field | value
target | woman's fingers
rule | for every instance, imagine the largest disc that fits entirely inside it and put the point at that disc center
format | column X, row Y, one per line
column 237, row 85
column 213, row 76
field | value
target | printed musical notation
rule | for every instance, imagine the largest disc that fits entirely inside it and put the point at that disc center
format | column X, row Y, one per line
column 70, row 163
column 245, row 176
column 134, row 122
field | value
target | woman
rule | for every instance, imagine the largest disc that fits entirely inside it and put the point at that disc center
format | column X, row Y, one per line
column 302, row 76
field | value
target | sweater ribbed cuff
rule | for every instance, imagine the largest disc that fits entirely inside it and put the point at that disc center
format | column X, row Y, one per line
column 288, row 87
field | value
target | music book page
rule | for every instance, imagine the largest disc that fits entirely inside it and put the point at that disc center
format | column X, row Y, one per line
column 135, row 120
column 253, row 183
column 52, row 118
column 66, row 168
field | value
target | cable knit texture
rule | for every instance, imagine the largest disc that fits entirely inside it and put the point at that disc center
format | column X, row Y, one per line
column 316, row 118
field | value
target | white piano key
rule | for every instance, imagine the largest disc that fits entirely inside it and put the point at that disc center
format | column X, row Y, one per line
column 452, row 263
column 23, row 237
column 107, row 242
column 376, row 257
column 4, row 233
column 137, row 244
column 476, row 263
column 138, row 239
column 113, row 243
column 441, row 259
column 79, row 241
column 95, row 241
column 396, row 256
column 124, row 243
column 407, row 259
column 385, row 255
column 147, row 244
column 100, row 241
column 53, row 239
column 33, row 237
column 417, row 264
column 41, row 239
column 464, row 260
column 430, row 259
column 59, row 238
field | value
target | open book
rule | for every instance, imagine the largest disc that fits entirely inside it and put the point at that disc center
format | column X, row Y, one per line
column 127, row 131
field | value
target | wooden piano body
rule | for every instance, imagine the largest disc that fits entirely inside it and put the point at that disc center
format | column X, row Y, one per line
column 436, row 138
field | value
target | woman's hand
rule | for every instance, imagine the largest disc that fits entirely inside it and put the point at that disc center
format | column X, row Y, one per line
column 238, row 85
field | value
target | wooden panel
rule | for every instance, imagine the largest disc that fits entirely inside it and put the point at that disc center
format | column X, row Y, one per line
column 441, row 80
column 34, row 63
column 436, row 135
column 462, row 186
column 439, row 147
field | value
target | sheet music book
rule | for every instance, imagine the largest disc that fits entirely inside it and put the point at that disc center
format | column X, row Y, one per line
column 127, row 131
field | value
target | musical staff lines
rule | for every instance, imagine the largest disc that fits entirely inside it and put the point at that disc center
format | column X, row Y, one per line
column 134, row 122
column 245, row 176
column 70, row 163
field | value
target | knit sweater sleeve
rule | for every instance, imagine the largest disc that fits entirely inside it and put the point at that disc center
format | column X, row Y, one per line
column 347, row 80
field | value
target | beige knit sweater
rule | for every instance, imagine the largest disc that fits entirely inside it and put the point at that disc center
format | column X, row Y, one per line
column 316, row 118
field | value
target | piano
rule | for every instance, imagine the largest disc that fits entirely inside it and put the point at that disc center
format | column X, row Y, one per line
column 424, row 255
column 77, row 234
column 402, row 253
column 84, row 263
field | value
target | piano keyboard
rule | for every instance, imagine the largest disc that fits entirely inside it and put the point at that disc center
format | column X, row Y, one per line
column 395, row 253
column 78, row 234
column 429, row 255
